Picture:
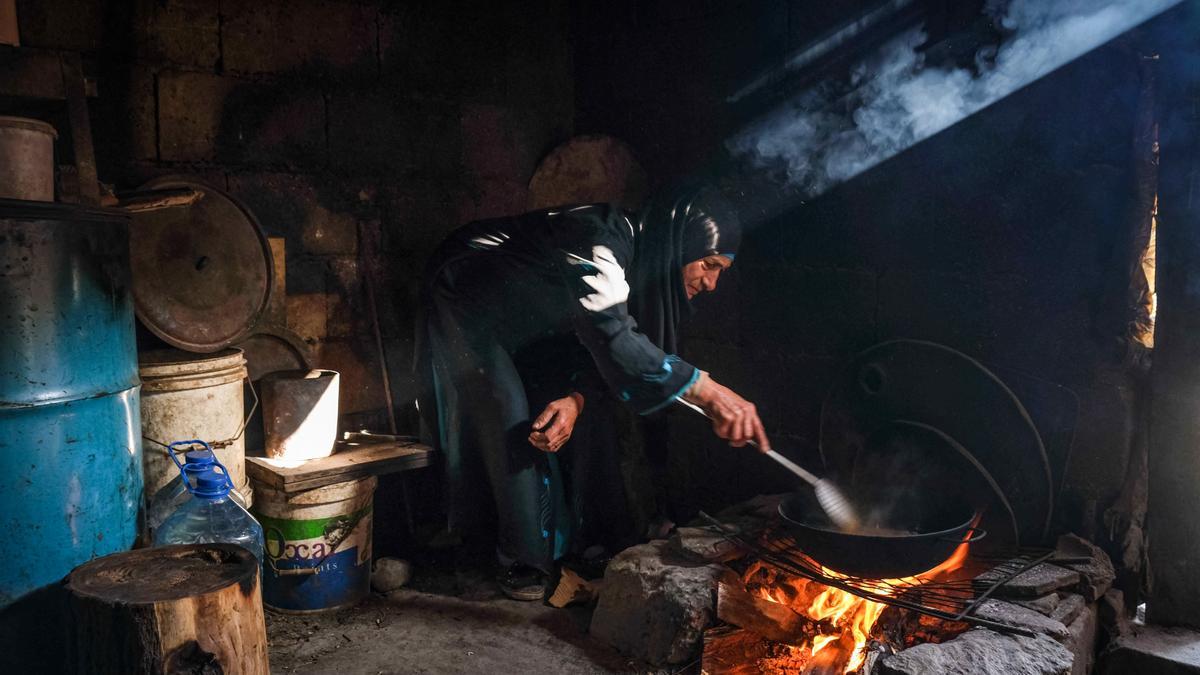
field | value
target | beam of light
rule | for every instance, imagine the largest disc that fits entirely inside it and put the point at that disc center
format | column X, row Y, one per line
column 820, row 138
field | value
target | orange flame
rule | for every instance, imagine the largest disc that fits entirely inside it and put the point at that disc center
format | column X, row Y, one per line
column 846, row 612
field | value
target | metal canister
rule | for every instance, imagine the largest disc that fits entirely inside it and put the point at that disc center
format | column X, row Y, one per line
column 300, row 413
column 70, row 439
column 26, row 159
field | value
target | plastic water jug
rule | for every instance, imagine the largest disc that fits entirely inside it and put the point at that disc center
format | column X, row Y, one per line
column 210, row 516
column 172, row 495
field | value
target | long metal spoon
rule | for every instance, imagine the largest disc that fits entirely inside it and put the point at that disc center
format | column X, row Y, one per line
column 831, row 499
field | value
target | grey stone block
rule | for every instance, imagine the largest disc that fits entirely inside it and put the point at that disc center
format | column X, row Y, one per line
column 278, row 36
column 190, row 107
column 1162, row 651
column 386, row 131
column 704, row 544
column 1045, row 604
column 183, row 32
column 205, row 117
column 1020, row 617
column 1034, row 583
column 982, row 652
column 1069, row 608
column 1082, row 642
column 315, row 214
column 1097, row 575
column 655, row 604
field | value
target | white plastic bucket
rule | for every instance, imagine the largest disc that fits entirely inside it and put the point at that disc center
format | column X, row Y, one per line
column 192, row 396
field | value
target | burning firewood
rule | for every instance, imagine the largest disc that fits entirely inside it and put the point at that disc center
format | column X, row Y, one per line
column 771, row 620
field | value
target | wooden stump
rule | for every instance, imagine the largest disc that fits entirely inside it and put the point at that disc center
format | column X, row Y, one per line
column 193, row 609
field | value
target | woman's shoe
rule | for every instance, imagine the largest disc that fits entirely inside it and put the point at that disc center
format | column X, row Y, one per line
column 521, row 582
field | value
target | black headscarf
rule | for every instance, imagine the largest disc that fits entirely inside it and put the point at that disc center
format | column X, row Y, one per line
column 673, row 232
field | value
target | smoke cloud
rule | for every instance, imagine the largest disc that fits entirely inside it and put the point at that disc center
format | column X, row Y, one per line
column 830, row 134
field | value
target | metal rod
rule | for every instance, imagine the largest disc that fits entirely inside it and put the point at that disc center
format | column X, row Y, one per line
column 784, row 461
column 369, row 252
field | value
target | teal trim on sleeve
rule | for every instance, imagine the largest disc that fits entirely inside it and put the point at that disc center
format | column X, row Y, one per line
column 688, row 385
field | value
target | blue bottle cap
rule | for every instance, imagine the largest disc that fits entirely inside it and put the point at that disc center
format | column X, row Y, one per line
column 199, row 457
column 211, row 484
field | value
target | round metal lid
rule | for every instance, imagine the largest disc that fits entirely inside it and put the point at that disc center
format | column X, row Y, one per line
column 27, row 124
column 274, row 348
column 202, row 275
column 175, row 362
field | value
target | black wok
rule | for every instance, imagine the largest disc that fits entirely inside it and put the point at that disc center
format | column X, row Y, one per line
column 900, row 541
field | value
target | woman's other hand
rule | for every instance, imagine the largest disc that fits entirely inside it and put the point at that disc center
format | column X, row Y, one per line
column 734, row 418
column 553, row 427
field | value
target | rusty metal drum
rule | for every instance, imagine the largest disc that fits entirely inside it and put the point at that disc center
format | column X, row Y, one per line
column 70, row 444
column 193, row 396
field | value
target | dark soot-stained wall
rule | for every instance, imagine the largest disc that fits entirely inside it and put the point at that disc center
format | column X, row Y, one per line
column 339, row 122
column 329, row 118
column 1004, row 237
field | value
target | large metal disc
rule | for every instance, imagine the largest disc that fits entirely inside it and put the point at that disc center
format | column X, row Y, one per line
column 937, row 387
column 273, row 348
column 202, row 275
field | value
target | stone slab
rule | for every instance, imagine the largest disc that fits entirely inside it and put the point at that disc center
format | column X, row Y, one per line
column 1097, row 575
column 1045, row 604
column 1036, row 582
column 705, row 544
column 1069, row 608
column 656, row 604
column 1082, row 642
column 1021, row 617
column 1150, row 649
column 982, row 652
column 1113, row 618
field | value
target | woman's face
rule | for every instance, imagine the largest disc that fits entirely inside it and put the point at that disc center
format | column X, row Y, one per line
column 701, row 275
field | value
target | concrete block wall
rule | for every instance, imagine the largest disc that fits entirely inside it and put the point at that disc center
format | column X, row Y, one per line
column 1003, row 237
column 336, row 122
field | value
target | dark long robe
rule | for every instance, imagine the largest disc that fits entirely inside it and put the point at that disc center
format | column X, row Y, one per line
column 520, row 311
column 494, row 291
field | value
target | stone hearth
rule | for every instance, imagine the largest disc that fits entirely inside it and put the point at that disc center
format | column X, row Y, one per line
column 659, row 599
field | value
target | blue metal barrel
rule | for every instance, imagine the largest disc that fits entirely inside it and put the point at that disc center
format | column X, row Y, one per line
column 70, row 439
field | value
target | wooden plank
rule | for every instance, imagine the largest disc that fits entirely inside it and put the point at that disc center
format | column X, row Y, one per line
column 348, row 462
column 140, row 201
column 81, row 129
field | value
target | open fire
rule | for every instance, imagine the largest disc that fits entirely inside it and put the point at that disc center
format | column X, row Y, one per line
column 843, row 623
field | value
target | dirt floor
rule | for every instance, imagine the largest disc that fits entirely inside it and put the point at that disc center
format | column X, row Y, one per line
column 451, row 624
